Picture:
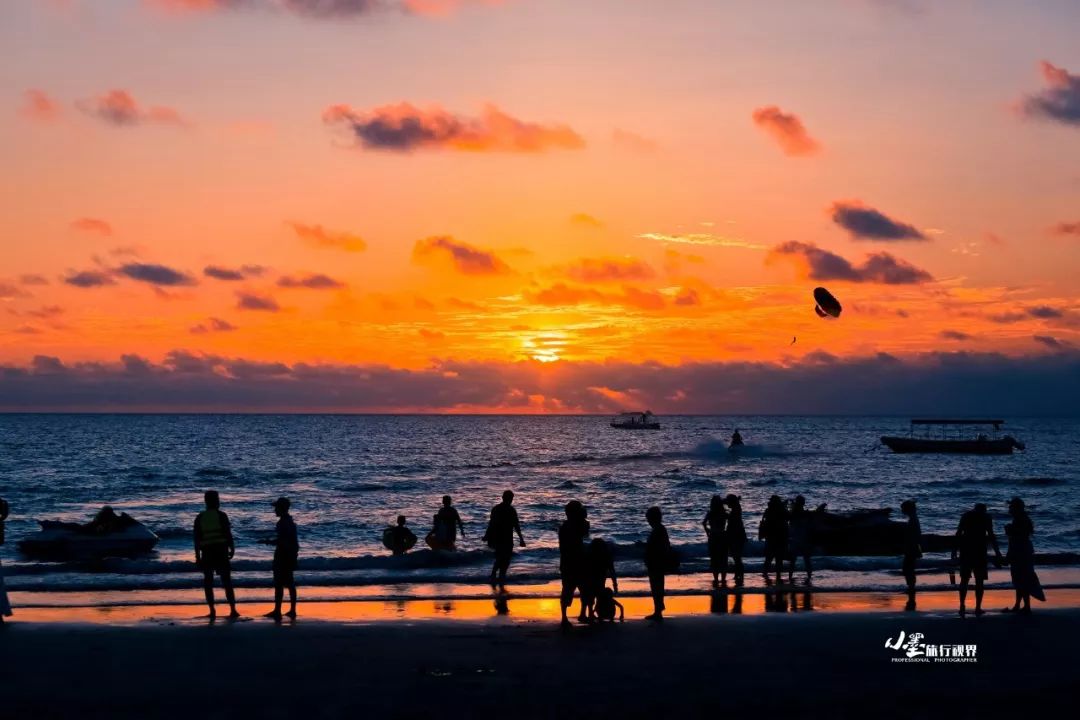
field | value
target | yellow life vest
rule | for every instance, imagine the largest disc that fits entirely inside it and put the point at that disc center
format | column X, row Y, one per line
column 211, row 529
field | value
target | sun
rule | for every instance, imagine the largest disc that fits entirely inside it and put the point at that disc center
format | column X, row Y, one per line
column 545, row 346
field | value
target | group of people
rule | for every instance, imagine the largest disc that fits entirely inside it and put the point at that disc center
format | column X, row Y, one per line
column 215, row 547
column 586, row 565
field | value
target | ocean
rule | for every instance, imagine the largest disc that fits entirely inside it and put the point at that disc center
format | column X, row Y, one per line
column 349, row 476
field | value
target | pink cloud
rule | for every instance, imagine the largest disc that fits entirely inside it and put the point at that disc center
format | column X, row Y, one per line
column 465, row 258
column 788, row 131
column 92, row 225
column 39, row 107
column 119, row 108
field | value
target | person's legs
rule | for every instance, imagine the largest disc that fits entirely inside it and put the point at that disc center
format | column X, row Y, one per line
column 226, row 581
column 809, row 566
column 909, row 578
column 208, row 588
column 979, row 579
column 965, row 578
column 737, row 561
column 656, row 587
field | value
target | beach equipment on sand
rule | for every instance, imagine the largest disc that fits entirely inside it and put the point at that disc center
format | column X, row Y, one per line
column 827, row 304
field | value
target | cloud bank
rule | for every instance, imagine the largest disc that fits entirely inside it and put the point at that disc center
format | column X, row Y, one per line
column 866, row 223
column 880, row 268
column 1059, row 100
column 936, row 383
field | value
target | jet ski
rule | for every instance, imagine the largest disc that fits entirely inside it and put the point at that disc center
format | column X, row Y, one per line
column 107, row 535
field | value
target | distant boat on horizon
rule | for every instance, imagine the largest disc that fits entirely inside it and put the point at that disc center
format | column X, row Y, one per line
column 980, row 444
column 636, row 421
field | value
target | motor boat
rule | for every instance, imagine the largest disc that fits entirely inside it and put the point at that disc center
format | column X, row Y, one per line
column 108, row 535
column 636, row 421
column 941, row 442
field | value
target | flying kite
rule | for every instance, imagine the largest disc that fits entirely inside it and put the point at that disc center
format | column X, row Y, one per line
column 827, row 305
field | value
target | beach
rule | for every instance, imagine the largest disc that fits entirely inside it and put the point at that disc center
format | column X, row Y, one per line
column 807, row 664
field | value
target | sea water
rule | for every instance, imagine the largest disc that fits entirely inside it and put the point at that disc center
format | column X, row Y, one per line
column 350, row 476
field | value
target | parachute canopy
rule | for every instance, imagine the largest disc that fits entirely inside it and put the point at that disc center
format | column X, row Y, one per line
column 827, row 305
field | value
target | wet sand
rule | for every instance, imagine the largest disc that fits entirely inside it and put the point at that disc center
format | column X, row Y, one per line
column 801, row 664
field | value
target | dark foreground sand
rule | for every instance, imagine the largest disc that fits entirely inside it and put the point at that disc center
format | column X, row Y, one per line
column 804, row 665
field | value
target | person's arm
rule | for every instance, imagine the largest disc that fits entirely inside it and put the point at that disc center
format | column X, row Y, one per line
column 195, row 538
column 622, row 612
column 959, row 534
column 705, row 524
column 517, row 528
column 993, row 540
column 614, row 580
column 460, row 524
column 228, row 534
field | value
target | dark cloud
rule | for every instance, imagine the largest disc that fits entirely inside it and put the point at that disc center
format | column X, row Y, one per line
column 1045, row 312
column 89, row 279
column 233, row 274
column 1039, row 312
column 312, row 281
column 251, row 301
column 405, row 127
column 154, row 274
column 11, row 292
column 955, row 335
column 1052, row 342
column 33, row 279
column 1059, row 100
column 1043, row 384
column 866, row 223
column 212, row 325
column 877, row 268
column 465, row 258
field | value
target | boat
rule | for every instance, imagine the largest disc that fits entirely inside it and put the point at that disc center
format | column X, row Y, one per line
column 944, row 442
column 123, row 536
column 636, row 421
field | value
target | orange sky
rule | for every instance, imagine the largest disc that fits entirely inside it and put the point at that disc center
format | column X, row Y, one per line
column 486, row 181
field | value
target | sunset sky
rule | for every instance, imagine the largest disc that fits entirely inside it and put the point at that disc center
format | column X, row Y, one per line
column 529, row 205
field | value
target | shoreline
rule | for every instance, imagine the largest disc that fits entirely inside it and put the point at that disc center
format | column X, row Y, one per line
column 515, row 607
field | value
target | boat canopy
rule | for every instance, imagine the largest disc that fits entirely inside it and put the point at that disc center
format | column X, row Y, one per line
column 930, row 421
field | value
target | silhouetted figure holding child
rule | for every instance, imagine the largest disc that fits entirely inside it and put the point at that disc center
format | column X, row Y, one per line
column 975, row 530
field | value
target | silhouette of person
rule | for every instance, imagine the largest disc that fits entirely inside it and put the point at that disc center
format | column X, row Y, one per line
column 286, row 552
column 976, row 528
column 1021, row 557
column 5, row 604
column 399, row 539
column 912, row 549
column 572, row 534
column 736, row 439
column 774, row 531
column 106, row 521
column 715, row 524
column 735, row 535
column 447, row 523
column 606, row 605
column 502, row 526
column 658, row 558
column 214, row 548
column 599, row 566
column 800, row 537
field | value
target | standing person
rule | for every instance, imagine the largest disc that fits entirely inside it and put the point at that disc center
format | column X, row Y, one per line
column 976, row 528
column 447, row 524
column 715, row 524
column 1021, row 557
column 5, row 605
column 800, row 532
column 657, row 560
column 286, row 552
column 912, row 548
column 502, row 526
column 572, row 534
column 735, row 535
column 214, row 548
column 774, row 531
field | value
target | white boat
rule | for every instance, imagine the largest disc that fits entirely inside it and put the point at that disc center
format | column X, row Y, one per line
column 636, row 421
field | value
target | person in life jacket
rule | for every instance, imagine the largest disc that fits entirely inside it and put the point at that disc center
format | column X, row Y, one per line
column 214, row 548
